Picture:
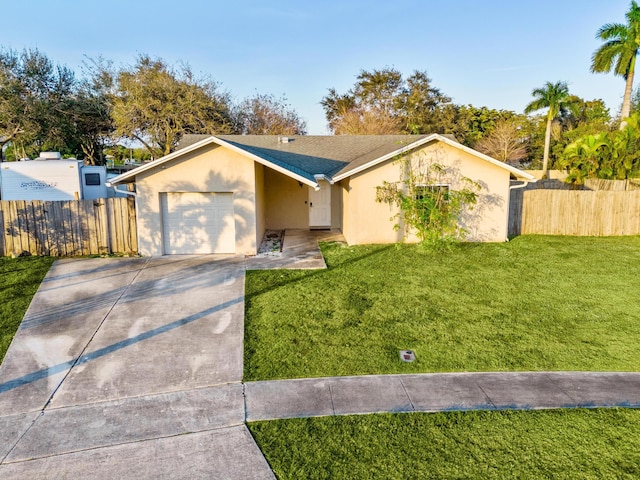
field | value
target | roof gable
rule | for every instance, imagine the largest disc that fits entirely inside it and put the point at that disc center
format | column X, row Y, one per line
column 364, row 164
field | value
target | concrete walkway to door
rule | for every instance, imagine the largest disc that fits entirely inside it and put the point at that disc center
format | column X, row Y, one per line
column 300, row 251
column 130, row 368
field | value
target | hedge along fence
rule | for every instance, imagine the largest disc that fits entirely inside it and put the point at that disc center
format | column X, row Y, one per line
column 68, row 228
column 574, row 212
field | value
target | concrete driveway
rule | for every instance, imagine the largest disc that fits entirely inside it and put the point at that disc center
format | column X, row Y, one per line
column 130, row 367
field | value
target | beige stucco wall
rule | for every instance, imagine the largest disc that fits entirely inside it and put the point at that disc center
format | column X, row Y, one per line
column 207, row 169
column 286, row 202
column 336, row 206
column 365, row 221
column 260, row 202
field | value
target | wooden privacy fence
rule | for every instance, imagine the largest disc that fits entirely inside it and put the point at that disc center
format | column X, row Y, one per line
column 577, row 212
column 68, row 228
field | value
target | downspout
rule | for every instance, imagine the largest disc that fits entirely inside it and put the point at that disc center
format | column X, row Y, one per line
column 515, row 187
column 126, row 192
column 526, row 182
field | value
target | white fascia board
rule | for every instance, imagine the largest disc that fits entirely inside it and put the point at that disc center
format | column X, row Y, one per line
column 430, row 138
column 267, row 163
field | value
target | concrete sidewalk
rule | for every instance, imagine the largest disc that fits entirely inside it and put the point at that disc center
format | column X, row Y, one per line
column 437, row 392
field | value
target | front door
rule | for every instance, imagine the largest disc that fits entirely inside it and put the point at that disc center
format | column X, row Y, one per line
column 320, row 206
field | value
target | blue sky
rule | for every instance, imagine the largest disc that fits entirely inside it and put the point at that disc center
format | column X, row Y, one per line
column 491, row 52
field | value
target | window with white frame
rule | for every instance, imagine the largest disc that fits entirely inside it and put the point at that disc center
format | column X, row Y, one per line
column 438, row 190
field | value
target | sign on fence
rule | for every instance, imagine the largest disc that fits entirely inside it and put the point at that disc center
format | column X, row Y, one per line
column 68, row 228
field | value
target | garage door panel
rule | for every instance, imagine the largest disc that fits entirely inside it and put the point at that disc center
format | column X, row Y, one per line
column 200, row 223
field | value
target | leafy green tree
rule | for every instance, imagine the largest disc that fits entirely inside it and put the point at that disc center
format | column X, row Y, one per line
column 608, row 155
column 620, row 48
column 267, row 115
column 586, row 117
column 91, row 109
column 625, row 151
column 556, row 99
column 382, row 102
column 422, row 105
column 36, row 97
column 470, row 124
column 156, row 105
column 583, row 157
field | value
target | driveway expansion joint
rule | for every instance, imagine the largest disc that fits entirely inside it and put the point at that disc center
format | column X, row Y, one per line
column 86, row 346
column 15, row 444
column 118, row 444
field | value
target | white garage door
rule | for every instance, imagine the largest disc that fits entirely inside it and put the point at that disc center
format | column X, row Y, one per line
column 198, row 223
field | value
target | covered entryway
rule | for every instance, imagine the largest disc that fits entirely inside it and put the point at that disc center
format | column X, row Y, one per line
column 320, row 206
column 198, row 223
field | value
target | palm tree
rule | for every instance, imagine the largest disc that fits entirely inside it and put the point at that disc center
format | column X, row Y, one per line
column 621, row 47
column 555, row 97
column 586, row 156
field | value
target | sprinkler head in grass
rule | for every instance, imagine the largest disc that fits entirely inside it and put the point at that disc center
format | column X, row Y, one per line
column 407, row 356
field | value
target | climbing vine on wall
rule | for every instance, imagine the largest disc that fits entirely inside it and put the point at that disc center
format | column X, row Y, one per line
column 428, row 205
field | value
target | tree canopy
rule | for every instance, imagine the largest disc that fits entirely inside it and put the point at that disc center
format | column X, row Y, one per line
column 505, row 142
column 619, row 53
column 44, row 106
column 383, row 102
column 156, row 104
column 265, row 114
column 36, row 98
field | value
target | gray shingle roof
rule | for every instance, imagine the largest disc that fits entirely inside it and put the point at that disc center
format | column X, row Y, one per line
column 309, row 155
column 191, row 138
column 305, row 156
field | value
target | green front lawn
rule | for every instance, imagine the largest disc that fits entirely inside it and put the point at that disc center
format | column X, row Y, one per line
column 19, row 280
column 535, row 303
column 566, row 444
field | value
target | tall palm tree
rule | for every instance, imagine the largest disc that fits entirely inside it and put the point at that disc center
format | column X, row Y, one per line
column 621, row 47
column 555, row 97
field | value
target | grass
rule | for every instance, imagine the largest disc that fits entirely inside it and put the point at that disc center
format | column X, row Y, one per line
column 535, row 303
column 563, row 444
column 19, row 280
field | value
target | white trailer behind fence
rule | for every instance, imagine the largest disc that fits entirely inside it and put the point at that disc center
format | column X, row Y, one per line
column 51, row 178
